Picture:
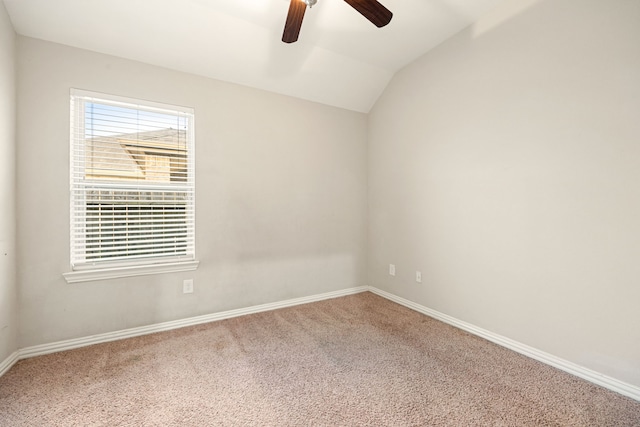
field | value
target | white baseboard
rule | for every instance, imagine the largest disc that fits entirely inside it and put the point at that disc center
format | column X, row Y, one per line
column 7, row 363
column 42, row 349
column 546, row 358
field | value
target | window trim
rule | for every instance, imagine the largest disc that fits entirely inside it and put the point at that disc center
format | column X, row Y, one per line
column 89, row 271
column 78, row 276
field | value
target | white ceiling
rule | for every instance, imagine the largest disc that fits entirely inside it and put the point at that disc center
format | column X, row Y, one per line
column 340, row 59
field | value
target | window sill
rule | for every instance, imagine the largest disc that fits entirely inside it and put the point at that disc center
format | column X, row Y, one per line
column 129, row 271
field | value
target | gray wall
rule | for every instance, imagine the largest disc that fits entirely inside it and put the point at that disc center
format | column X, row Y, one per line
column 8, row 285
column 505, row 165
column 280, row 208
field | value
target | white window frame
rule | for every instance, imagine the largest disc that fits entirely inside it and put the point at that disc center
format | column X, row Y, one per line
column 86, row 270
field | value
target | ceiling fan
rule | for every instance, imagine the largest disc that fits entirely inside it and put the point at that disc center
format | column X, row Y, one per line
column 370, row 9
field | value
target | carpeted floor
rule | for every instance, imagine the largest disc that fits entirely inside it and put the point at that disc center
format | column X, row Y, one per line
column 359, row 360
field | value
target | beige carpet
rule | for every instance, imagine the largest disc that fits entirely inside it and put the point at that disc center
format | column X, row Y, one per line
column 353, row 361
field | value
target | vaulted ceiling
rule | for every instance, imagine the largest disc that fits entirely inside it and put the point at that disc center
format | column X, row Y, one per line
column 340, row 59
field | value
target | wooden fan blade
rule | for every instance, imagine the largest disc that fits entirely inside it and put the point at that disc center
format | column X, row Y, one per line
column 373, row 11
column 294, row 21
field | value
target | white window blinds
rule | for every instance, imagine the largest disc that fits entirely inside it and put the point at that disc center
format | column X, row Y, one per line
column 132, row 182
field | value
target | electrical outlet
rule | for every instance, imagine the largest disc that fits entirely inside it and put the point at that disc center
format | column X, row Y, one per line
column 392, row 270
column 187, row 286
column 418, row 276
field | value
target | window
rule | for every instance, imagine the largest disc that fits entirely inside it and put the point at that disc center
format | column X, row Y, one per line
column 132, row 186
